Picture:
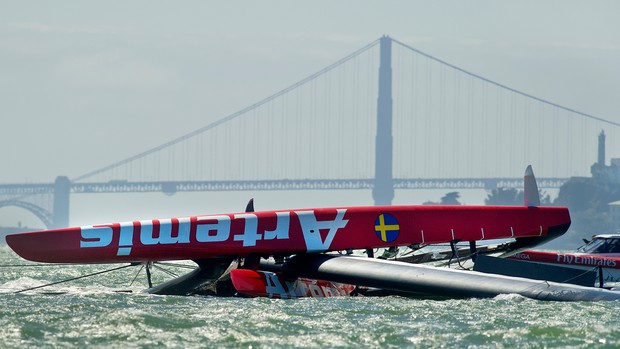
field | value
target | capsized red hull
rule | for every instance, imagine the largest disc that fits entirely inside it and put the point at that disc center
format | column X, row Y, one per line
column 274, row 285
column 285, row 232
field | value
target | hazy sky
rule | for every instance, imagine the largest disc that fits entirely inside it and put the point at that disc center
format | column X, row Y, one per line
column 87, row 83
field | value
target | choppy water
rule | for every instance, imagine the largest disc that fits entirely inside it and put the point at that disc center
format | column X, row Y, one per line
column 92, row 314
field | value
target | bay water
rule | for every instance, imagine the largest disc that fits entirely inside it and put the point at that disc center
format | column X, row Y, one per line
column 109, row 311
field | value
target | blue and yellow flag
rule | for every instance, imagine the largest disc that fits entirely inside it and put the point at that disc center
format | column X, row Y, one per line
column 386, row 227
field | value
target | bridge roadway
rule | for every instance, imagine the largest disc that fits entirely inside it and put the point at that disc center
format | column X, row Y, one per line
column 172, row 187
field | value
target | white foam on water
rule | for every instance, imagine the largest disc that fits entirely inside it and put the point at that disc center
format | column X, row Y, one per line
column 509, row 296
column 26, row 283
column 20, row 284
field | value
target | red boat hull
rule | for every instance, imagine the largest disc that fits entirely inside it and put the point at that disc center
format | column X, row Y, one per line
column 273, row 285
column 286, row 232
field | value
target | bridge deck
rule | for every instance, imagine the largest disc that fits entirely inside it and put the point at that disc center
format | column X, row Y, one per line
column 172, row 187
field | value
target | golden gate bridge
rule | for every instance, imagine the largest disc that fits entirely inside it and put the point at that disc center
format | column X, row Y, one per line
column 385, row 117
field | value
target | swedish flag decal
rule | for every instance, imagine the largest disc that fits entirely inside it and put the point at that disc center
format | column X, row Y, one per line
column 386, row 227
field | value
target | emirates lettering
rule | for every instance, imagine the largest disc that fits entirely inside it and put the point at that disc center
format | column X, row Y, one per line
column 585, row 260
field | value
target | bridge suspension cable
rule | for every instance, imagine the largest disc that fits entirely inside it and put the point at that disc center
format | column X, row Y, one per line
column 448, row 123
column 506, row 87
column 231, row 116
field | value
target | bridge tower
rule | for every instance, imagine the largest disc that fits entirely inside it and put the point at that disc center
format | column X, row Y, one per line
column 62, row 189
column 601, row 148
column 383, row 189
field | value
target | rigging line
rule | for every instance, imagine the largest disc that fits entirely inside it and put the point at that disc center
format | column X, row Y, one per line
column 176, row 265
column 547, row 281
column 506, row 87
column 75, row 278
column 595, row 269
column 458, row 260
column 165, row 270
column 136, row 277
column 232, row 116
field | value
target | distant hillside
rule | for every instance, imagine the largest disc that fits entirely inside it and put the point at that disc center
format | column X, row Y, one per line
column 588, row 202
column 587, row 199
